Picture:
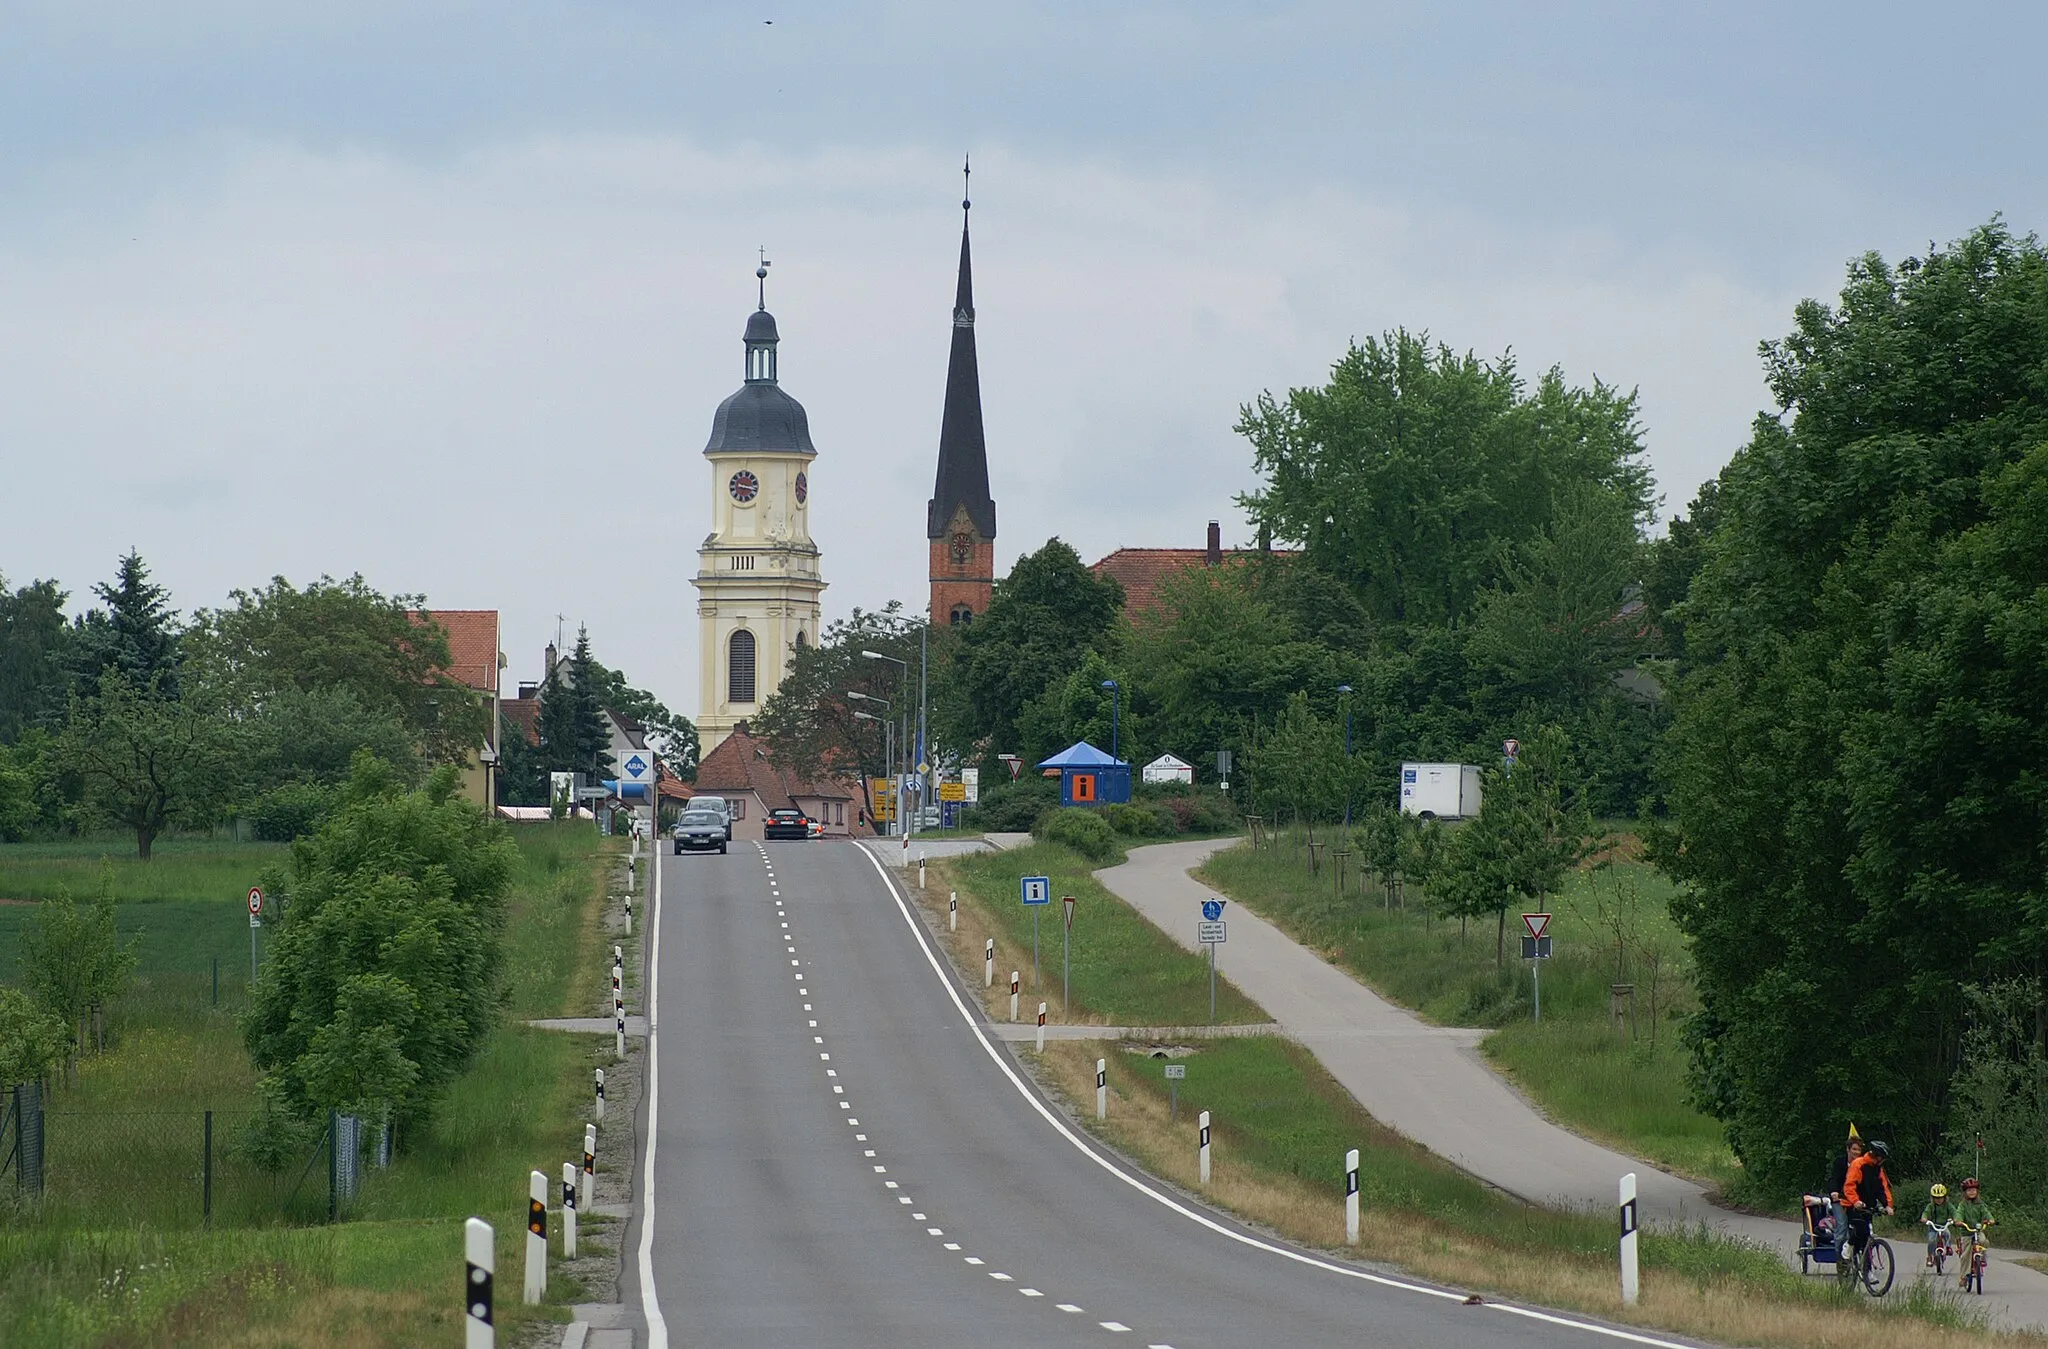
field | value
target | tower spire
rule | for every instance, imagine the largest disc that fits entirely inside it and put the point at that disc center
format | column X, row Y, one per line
column 960, row 520
column 761, row 276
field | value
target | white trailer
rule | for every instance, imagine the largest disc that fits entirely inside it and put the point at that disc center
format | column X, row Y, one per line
column 1440, row 791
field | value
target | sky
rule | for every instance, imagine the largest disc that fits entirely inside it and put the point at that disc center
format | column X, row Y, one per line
column 446, row 294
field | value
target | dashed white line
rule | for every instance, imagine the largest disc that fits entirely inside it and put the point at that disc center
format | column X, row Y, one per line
column 974, row 1260
column 993, row 1274
column 1068, row 1307
column 933, row 1231
column 1030, row 1292
column 1115, row 1327
column 952, row 1245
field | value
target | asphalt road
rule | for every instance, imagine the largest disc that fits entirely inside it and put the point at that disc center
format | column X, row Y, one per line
column 841, row 1158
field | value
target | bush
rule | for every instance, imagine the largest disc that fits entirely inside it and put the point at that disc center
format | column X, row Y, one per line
column 292, row 811
column 1012, row 807
column 1084, row 831
column 1140, row 821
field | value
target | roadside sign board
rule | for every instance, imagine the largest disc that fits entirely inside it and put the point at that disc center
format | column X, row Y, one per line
column 638, row 766
column 1535, row 948
column 1176, row 1070
column 1537, row 923
column 952, row 791
column 970, row 779
column 1037, row 889
column 1068, row 901
column 1210, row 933
column 255, row 909
column 1212, row 909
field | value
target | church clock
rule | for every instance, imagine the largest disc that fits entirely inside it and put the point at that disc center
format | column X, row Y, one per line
column 803, row 489
column 963, row 549
column 744, row 487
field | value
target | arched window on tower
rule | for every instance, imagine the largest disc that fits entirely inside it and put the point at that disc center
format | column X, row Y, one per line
column 739, row 668
column 961, row 616
column 801, row 640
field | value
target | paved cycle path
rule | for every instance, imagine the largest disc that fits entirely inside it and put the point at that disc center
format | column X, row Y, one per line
column 1430, row 1082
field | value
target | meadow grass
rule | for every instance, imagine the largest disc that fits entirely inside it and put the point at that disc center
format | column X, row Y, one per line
column 1125, row 971
column 1624, row 1084
column 202, row 870
column 116, row 1253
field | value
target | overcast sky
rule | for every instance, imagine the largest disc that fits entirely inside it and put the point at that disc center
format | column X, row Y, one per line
column 446, row 293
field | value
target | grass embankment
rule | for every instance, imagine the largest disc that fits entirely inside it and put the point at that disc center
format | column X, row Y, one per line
column 117, row 1252
column 1281, row 1126
column 1622, row 1083
column 1125, row 971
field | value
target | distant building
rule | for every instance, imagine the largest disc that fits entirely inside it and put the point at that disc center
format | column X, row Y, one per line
column 475, row 661
column 740, row 771
column 1143, row 571
column 1167, row 768
column 960, row 519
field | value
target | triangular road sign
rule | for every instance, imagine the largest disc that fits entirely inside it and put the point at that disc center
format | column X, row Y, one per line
column 1537, row 923
column 1068, row 900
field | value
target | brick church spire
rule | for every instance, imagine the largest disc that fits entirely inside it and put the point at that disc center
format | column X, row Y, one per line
column 960, row 522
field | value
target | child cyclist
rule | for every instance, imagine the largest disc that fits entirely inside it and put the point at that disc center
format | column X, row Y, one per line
column 1976, row 1214
column 1937, row 1214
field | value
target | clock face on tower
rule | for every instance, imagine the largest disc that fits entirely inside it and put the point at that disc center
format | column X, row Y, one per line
column 744, row 487
column 963, row 548
column 803, row 488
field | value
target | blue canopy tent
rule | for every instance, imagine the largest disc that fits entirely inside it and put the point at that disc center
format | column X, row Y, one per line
column 1089, row 777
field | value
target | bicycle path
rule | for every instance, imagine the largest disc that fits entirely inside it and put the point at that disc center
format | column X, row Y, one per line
column 1432, row 1084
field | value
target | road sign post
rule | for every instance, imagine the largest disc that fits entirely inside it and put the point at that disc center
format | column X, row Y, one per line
column 1037, row 893
column 1174, row 1073
column 1536, row 950
column 255, row 921
column 1211, row 931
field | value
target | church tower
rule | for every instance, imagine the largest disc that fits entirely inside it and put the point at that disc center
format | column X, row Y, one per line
column 758, row 581
column 960, row 522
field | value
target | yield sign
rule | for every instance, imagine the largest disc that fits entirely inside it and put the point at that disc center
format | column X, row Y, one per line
column 1068, row 900
column 1537, row 923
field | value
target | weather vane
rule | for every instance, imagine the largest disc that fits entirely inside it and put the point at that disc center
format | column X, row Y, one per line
column 966, row 177
column 761, row 275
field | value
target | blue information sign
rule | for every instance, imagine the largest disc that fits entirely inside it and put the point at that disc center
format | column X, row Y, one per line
column 1212, row 909
column 1037, row 889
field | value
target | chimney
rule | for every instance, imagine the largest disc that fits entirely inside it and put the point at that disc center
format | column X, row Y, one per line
column 1215, row 557
column 548, row 659
column 528, row 690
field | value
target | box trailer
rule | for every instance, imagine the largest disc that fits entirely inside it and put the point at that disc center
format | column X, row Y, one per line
column 1440, row 791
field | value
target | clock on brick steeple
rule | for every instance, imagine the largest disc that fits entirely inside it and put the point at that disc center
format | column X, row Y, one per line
column 960, row 522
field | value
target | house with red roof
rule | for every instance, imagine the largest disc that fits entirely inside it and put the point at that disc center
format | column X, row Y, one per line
column 475, row 661
column 1142, row 572
column 740, row 770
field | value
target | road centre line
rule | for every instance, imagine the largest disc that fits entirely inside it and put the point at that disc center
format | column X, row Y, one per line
column 1174, row 1205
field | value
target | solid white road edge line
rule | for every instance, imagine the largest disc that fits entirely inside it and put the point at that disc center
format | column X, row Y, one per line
column 650, row 1304
column 1168, row 1201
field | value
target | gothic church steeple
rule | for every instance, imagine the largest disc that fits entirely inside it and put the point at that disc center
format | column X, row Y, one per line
column 960, row 520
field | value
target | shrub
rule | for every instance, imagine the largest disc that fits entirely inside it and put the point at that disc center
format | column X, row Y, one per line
column 1084, row 831
column 1138, row 821
column 292, row 811
column 1012, row 807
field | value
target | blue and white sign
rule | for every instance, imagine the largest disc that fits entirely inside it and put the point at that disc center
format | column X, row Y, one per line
column 1037, row 889
column 1212, row 909
column 1212, row 933
column 637, row 768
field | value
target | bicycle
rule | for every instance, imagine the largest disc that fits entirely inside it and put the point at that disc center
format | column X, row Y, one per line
column 1944, row 1245
column 1972, row 1264
column 1872, row 1266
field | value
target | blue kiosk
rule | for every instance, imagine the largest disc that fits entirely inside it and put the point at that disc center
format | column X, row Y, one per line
column 1088, row 777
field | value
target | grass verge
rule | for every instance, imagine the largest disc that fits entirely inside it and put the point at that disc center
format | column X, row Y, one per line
column 1621, row 1083
column 1126, row 972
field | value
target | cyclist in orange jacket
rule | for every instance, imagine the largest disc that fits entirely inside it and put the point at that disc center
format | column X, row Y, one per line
column 1867, row 1189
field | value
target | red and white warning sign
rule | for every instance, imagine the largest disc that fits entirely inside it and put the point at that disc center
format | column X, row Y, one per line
column 255, row 901
column 1068, row 901
column 1537, row 923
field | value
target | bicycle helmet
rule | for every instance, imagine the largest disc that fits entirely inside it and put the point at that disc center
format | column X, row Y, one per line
column 1971, row 1183
column 1880, row 1148
column 1939, row 1192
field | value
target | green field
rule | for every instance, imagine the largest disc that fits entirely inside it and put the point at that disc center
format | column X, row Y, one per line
column 118, row 1251
column 1621, row 1082
column 197, row 870
column 1125, row 971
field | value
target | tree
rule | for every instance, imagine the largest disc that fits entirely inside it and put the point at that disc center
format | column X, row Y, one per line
column 35, row 657
column 1531, row 830
column 1043, row 620
column 809, row 723
column 1079, row 708
column 136, row 636
column 671, row 735
column 1858, row 811
column 150, row 761
column 1415, row 472
column 72, row 960
column 1300, row 763
column 32, row 1042
column 574, row 735
column 384, row 976
column 386, row 651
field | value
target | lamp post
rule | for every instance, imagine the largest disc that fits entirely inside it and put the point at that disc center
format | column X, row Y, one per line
column 903, row 668
column 1344, row 696
column 1111, row 685
column 888, row 734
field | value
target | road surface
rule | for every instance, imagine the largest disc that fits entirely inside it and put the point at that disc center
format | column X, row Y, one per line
column 840, row 1157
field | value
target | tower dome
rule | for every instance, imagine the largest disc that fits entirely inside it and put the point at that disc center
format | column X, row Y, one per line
column 760, row 416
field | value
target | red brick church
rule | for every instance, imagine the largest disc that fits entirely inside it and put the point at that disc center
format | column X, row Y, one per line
column 960, row 522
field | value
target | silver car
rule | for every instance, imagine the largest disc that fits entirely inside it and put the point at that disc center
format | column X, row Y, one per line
column 700, row 831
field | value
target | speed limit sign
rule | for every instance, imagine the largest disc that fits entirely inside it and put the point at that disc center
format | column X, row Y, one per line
column 255, row 906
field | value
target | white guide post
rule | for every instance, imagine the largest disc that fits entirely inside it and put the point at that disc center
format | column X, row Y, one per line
column 480, row 1251
column 988, row 964
column 1629, row 1284
column 1351, row 1196
column 1041, row 1028
column 629, row 913
column 1204, row 1123
column 619, row 1029
column 1102, row 1088
column 599, row 1111
column 568, row 1210
column 536, row 1237
column 953, row 911
column 920, row 871
column 1014, row 986
column 589, row 1166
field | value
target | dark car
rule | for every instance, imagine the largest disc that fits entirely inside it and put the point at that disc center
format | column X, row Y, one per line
column 786, row 822
column 701, row 831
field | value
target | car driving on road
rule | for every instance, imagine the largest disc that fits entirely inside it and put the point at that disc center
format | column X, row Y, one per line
column 701, row 831
column 786, row 822
column 717, row 804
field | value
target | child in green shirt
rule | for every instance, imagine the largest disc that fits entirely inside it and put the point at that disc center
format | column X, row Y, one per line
column 1937, row 1213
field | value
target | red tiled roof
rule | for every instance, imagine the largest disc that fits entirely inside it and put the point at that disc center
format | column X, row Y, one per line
column 741, row 764
column 524, row 715
column 1141, row 571
column 472, row 644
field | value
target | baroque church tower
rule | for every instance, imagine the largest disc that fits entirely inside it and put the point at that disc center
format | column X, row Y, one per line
column 758, row 581
column 960, row 522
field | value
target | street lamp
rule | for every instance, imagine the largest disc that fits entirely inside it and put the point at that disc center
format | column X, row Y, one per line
column 888, row 725
column 1111, row 685
column 904, row 667
column 1344, row 696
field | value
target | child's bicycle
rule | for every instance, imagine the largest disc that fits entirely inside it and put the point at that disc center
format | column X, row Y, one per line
column 1971, row 1256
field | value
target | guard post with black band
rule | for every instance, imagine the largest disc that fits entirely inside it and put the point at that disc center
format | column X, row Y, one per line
column 536, row 1238
column 480, row 1253
column 1629, row 1285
